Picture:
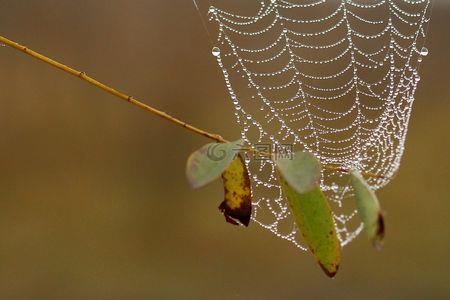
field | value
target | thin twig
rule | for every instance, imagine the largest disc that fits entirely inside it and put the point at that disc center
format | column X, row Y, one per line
column 83, row 76
column 108, row 89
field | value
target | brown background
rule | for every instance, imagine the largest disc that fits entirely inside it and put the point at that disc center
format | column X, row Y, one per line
column 93, row 199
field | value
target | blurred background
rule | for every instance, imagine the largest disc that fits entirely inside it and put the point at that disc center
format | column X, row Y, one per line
column 93, row 198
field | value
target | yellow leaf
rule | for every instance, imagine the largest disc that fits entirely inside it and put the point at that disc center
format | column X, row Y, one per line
column 237, row 206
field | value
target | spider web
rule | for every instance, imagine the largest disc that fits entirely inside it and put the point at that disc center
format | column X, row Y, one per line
column 335, row 78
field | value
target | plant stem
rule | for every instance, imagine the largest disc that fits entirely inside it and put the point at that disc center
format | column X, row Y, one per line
column 108, row 89
column 115, row 92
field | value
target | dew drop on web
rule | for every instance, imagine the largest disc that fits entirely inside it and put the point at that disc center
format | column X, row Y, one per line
column 216, row 51
column 424, row 51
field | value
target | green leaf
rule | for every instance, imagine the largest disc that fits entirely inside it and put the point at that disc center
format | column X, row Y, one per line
column 313, row 217
column 368, row 209
column 237, row 205
column 302, row 171
column 209, row 162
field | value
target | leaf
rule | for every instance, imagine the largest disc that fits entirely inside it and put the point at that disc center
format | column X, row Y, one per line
column 237, row 206
column 209, row 162
column 313, row 217
column 302, row 171
column 368, row 209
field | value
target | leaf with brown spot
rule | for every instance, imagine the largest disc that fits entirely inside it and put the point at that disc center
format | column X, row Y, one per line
column 368, row 209
column 237, row 206
column 312, row 214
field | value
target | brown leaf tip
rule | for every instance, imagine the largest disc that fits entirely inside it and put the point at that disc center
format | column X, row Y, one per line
column 237, row 216
column 379, row 236
column 328, row 272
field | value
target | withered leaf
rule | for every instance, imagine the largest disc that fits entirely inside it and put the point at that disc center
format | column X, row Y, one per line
column 237, row 206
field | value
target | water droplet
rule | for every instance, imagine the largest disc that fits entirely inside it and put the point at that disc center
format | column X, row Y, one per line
column 334, row 187
column 216, row 51
column 424, row 51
